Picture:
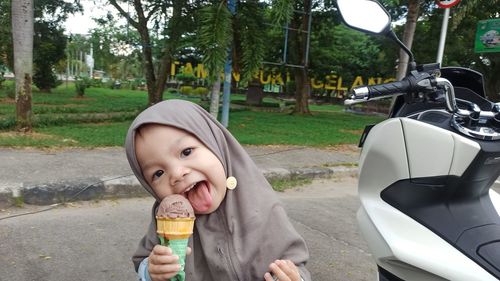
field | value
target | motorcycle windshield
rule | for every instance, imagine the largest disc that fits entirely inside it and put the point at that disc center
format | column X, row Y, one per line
column 465, row 78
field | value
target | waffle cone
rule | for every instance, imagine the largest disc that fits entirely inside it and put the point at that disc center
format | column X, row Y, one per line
column 174, row 228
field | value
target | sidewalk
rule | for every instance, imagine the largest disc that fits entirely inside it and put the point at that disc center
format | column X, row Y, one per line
column 46, row 177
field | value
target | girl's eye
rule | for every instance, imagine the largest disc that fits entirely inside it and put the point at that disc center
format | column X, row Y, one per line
column 157, row 174
column 186, row 151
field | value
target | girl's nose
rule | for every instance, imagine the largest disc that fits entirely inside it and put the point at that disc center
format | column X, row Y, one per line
column 178, row 173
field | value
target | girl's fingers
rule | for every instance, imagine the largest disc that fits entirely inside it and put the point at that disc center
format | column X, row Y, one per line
column 163, row 259
column 164, row 269
column 161, row 250
column 268, row 277
column 284, row 270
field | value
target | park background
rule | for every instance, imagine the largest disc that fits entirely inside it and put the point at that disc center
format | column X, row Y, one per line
column 292, row 64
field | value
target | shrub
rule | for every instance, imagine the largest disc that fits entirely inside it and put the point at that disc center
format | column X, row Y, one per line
column 185, row 78
column 45, row 80
column 10, row 90
column 96, row 83
column 81, row 83
column 172, row 91
column 186, row 90
column 202, row 92
column 138, row 84
column 3, row 69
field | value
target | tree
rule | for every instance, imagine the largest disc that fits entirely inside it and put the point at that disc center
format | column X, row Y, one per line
column 115, row 49
column 286, row 11
column 215, row 38
column 409, row 31
column 50, row 43
column 22, row 36
column 5, row 34
column 463, row 27
column 220, row 31
column 168, row 18
column 344, row 51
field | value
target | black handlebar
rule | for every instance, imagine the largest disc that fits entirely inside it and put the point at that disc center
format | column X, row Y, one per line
column 387, row 89
column 414, row 82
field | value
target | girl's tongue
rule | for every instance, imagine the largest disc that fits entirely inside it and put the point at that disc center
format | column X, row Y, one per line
column 200, row 197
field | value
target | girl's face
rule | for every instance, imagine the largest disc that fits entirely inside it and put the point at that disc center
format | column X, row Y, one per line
column 176, row 162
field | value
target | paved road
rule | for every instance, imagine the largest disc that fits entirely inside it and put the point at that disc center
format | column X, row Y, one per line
column 94, row 240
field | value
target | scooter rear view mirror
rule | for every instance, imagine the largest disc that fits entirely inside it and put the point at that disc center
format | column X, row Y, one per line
column 365, row 15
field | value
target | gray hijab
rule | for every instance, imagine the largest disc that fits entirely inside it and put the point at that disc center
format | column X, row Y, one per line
column 248, row 231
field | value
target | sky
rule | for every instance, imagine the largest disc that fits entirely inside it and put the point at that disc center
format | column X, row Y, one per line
column 82, row 23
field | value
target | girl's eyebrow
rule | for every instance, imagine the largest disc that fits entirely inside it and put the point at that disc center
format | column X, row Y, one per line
column 181, row 139
column 176, row 143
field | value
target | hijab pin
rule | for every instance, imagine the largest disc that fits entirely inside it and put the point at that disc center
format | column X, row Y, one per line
column 231, row 183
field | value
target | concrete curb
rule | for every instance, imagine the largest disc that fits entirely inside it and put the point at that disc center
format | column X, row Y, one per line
column 128, row 186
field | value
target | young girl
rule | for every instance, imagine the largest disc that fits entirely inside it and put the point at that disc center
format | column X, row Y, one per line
column 241, row 230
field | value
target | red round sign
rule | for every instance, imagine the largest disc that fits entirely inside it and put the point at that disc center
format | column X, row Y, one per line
column 447, row 3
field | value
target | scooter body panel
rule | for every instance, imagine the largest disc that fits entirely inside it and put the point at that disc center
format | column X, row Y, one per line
column 403, row 149
column 433, row 151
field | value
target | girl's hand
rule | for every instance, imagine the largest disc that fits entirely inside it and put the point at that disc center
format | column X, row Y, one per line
column 163, row 265
column 283, row 270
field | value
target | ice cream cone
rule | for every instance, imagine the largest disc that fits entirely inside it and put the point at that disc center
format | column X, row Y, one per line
column 174, row 225
column 177, row 232
column 174, row 228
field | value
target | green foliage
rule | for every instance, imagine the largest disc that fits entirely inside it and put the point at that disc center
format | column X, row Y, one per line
column 49, row 40
column 332, row 44
column 10, row 90
column 186, row 90
column 249, row 23
column 185, row 78
column 19, row 201
column 137, row 84
column 172, row 91
column 3, row 69
column 281, row 185
column 49, row 45
column 81, row 84
column 459, row 48
column 214, row 37
column 282, row 11
column 45, row 79
column 103, row 117
column 201, row 92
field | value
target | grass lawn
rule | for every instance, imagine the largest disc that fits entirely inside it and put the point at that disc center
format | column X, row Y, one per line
column 102, row 118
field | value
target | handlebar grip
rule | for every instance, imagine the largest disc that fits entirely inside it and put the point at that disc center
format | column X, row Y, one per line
column 374, row 91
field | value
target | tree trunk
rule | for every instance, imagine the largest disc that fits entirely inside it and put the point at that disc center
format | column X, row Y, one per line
column 255, row 94
column 302, row 92
column 174, row 26
column 22, row 35
column 214, row 98
column 142, row 28
column 302, row 81
column 409, row 32
column 141, row 25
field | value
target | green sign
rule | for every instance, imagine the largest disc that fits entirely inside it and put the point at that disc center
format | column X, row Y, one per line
column 487, row 36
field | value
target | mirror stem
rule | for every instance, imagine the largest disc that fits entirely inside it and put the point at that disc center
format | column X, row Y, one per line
column 411, row 64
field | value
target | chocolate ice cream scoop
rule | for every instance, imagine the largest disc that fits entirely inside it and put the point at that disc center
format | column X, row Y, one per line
column 175, row 206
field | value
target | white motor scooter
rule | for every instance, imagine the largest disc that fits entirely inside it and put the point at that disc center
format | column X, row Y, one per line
column 425, row 174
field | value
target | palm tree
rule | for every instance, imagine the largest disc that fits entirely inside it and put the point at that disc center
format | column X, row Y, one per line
column 220, row 31
column 22, row 35
column 247, row 42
